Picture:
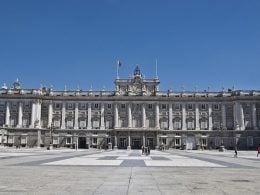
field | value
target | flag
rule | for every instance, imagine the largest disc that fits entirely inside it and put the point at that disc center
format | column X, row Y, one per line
column 119, row 63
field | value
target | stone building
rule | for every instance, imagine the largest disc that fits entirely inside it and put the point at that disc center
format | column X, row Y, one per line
column 136, row 113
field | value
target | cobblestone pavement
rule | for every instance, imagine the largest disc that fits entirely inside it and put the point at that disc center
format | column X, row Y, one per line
column 38, row 171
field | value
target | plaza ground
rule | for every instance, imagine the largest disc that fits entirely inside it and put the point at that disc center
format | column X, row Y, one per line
column 65, row 171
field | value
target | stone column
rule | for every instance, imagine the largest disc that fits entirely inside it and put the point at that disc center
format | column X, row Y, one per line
column 143, row 116
column 38, row 113
column 184, row 127
column 144, row 144
column 102, row 116
column 20, row 115
column 157, row 141
column 157, row 116
column 170, row 117
column 89, row 116
column 129, row 142
column 210, row 117
column 235, row 116
column 63, row 116
column 223, row 112
column 76, row 116
column 129, row 116
column 254, row 116
column 116, row 116
column 50, row 113
column 197, row 116
column 115, row 146
column 242, row 117
column 7, row 114
column 32, row 115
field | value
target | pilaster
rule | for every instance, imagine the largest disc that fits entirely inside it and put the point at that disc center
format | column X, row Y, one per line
column 143, row 116
column 7, row 114
column 102, row 116
column 50, row 113
column 129, row 115
column 76, row 116
column 170, row 117
column 20, row 115
column 63, row 116
column 210, row 117
column 89, row 116
column 157, row 116
column 116, row 116
column 197, row 116
column 254, row 116
column 223, row 115
column 184, row 127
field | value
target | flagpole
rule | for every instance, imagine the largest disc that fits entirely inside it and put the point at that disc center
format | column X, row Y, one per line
column 156, row 74
column 117, row 77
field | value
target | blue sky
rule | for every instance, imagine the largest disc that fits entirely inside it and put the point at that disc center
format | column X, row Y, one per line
column 197, row 43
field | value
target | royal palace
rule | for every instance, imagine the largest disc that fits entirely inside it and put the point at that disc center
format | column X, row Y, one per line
column 135, row 114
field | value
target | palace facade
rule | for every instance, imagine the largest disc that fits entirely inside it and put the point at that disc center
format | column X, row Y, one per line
column 136, row 113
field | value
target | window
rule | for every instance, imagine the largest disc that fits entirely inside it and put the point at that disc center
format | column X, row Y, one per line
column 82, row 124
column 204, row 141
column 177, row 106
column 203, row 106
column 56, row 123
column 82, row 106
column 150, row 106
column 69, row 124
column 177, row 124
column 164, row 124
column 190, row 106
column 94, row 140
column 95, row 105
column 68, row 140
column 27, row 104
column 109, row 106
column 163, row 106
column 123, row 106
column 216, row 107
column 57, row 106
column 164, row 141
column 204, row 124
column 177, row 141
column 55, row 140
column 14, row 105
column 96, row 124
column 190, row 124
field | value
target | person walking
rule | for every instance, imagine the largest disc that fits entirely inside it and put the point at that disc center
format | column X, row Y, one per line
column 235, row 152
column 258, row 151
column 148, row 150
column 142, row 150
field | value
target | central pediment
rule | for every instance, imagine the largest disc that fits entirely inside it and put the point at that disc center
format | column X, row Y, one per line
column 137, row 85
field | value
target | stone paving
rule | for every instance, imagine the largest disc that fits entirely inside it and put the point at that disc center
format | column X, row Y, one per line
column 134, row 158
column 38, row 171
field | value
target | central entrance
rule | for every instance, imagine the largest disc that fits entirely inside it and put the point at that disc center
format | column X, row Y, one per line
column 190, row 143
column 122, row 143
column 82, row 142
column 149, row 142
column 136, row 143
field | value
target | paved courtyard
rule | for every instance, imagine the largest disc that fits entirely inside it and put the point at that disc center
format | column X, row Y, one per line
column 37, row 171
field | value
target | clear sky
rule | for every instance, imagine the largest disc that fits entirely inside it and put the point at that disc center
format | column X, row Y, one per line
column 197, row 43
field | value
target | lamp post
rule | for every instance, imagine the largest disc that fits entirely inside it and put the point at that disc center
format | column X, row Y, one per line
column 221, row 147
column 51, row 136
column 109, row 140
